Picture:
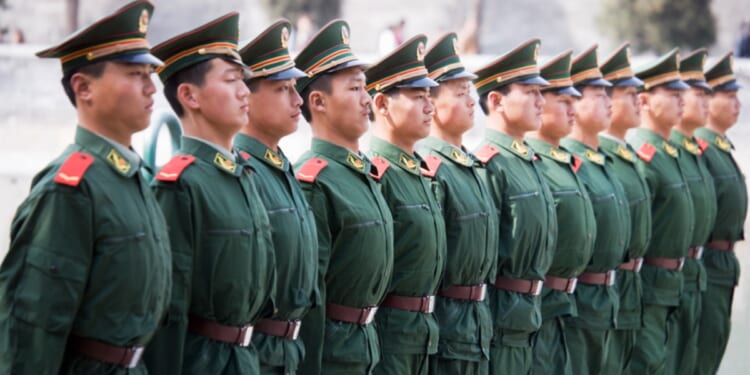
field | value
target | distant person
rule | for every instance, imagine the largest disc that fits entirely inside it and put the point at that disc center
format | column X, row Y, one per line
column 743, row 46
column 17, row 36
column 391, row 37
column 302, row 32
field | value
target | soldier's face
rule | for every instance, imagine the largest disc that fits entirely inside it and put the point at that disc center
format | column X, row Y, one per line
column 454, row 106
column 522, row 107
column 695, row 113
column 122, row 96
column 274, row 107
column 626, row 107
column 593, row 109
column 558, row 115
column 409, row 113
column 348, row 105
column 663, row 105
column 724, row 109
column 222, row 100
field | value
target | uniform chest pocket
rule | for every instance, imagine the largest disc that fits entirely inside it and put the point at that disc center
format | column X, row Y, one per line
column 602, row 197
column 116, row 243
column 526, row 195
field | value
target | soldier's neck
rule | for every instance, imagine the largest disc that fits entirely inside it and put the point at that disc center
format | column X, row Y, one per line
column 495, row 122
column 383, row 132
column 108, row 128
column 662, row 130
column 543, row 137
column 588, row 138
column 261, row 135
column 715, row 128
column 328, row 133
column 439, row 133
column 197, row 127
column 616, row 131
column 686, row 129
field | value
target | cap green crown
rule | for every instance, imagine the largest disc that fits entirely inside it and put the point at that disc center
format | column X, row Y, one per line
column 516, row 65
column 585, row 68
column 217, row 38
column 268, row 53
column 691, row 69
column 442, row 61
column 121, row 34
column 721, row 76
column 617, row 67
column 405, row 63
column 557, row 71
column 663, row 71
column 327, row 51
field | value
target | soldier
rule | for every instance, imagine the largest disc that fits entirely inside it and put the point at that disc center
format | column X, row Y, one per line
column 721, row 263
column 671, row 210
column 470, row 218
column 626, row 115
column 274, row 113
column 589, row 333
column 219, row 231
column 684, row 345
column 355, row 227
column 86, row 280
column 402, row 110
column 576, row 225
column 509, row 94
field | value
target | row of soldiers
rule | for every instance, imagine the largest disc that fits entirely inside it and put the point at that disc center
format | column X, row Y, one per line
column 558, row 247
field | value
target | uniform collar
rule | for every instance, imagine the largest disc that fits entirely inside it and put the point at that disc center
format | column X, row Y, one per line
column 458, row 155
column 395, row 155
column 590, row 154
column 355, row 161
column 686, row 143
column 720, row 141
column 122, row 159
column 658, row 141
column 519, row 148
column 617, row 146
column 213, row 155
column 550, row 151
column 259, row 151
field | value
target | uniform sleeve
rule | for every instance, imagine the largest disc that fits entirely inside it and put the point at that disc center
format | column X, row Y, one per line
column 651, row 175
column 312, row 331
column 164, row 353
column 43, row 279
column 494, row 180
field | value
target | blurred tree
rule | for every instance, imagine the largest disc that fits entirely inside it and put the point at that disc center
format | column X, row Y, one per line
column 321, row 11
column 71, row 15
column 660, row 25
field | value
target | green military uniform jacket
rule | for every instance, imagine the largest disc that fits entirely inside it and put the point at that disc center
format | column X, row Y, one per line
column 576, row 225
column 471, row 224
column 89, row 257
column 703, row 194
column 419, row 250
column 672, row 213
column 598, row 304
column 355, row 255
column 622, row 164
column 295, row 246
column 527, row 231
column 731, row 195
column 222, row 256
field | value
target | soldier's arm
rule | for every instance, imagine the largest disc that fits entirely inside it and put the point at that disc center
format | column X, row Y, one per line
column 43, row 279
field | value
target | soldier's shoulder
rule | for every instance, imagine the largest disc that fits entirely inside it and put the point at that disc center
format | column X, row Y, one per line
column 486, row 152
column 309, row 169
column 175, row 168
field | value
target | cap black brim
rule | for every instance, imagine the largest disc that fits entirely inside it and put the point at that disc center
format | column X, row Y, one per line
column 675, row 85
column 464, row 74
column 419, row 82
column 601, row 82
column 729, row 86
column 533, row 80
column 566, row 91
column 347, row 65
column 627, row 82
column 138, row 58
column 286, row 74
column 699, row 85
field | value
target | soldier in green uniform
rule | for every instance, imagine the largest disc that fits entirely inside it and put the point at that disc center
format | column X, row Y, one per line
column 589, row 332
column 86, row 280
column 721, row 263
column 354, row 224
column 402, row 110
column 274, row 113
column 684, row 347
column 470, row 219
column 671, row 210
column 222, row 251
column 576, row 225
column 509, row 94
column 626, row 115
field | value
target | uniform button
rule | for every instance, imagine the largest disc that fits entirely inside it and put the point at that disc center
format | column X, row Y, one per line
column 53, row 268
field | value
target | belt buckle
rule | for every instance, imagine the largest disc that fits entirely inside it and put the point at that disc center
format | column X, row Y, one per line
column 611, row 276
column 428, row 304
column 482, row 292
column 246, row 334
column 638, row 264
column 294, row 327
column 370, row 311
column 136, row 357
column 680, row 263
column 571, row 287
column 536, row 287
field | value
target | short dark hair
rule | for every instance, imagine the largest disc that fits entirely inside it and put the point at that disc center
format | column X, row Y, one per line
column 391, row 92
column 503, row 90
column 252, row 84
column 194, row 74
column 320, row 83
column 435, row 91
column 95, row 70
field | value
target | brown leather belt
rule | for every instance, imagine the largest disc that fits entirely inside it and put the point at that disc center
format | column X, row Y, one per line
column 561, row 284
column 361, row 316
column 103, row 352
column 288, row 329
column 425, row 304
column 634, row 265
column 695, row 252
column 533, row 287
column 672, row 264
column 236, row 335
column 468, row 293
column 721, row 245
column 598, row 278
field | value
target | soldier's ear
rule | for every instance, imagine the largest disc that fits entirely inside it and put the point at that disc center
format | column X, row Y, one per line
column 188, row 96
column 317, row 101
column 643, row 97
column 495, row 101
column 80, row 83
column 380, row 103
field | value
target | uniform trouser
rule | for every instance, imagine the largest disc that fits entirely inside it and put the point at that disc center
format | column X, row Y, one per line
column 449, row 366
column 550, row 348
column 274, row 370
column 650, row 353
column 402, row 364
column 510, row 354
column 683, row 345
column 715, row 325
column 588, row 349
column 621, row 347
column 337, row 368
